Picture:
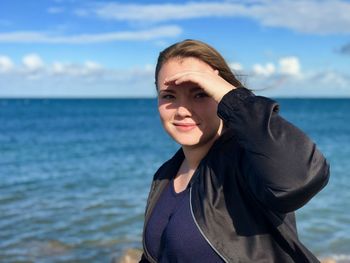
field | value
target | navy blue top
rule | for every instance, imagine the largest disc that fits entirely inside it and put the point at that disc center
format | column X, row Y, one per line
column 171, row 234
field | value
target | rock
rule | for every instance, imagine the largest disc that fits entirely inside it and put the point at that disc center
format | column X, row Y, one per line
column 131, row 255
column 46, row 248
column 328, row 260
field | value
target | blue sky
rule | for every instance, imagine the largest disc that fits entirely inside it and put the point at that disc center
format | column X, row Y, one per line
column 80, row 48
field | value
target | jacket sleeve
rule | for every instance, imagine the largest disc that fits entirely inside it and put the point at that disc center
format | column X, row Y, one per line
column 282, row 166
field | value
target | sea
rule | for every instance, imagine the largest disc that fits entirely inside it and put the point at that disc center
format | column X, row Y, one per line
column 75, row 175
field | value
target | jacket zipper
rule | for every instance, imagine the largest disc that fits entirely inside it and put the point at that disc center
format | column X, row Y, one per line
column 200, row 230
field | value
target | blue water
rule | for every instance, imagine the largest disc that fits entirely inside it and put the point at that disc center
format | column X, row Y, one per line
column 75, row 174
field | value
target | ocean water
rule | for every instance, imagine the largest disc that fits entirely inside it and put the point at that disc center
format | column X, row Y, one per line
column 75, row 174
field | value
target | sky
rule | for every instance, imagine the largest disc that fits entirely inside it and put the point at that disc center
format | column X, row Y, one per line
column 107, row 49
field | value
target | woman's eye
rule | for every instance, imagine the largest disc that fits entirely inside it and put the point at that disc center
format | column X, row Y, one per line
column 201, row 95
column 168, row 96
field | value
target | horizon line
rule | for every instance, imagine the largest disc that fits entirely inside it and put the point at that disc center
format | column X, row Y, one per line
column 148, row 97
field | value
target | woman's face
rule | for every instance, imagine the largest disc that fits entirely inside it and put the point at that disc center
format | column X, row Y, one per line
column 187, row 113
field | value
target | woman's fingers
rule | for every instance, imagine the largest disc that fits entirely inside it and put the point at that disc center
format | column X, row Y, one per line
column 211, row 82
column 184, row 79
column 186, row 76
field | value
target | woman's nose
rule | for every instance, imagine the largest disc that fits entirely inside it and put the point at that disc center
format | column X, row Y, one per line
column 183, row 110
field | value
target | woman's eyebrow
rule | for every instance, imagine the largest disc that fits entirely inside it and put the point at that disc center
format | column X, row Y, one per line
column 195, row 89
column 173, row 91
column 167, row 91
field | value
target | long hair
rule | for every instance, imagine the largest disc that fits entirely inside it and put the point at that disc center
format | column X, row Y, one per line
column 201, row 51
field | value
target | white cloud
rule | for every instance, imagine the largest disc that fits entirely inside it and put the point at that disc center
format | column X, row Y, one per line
column 312, row 84
column 90, row 79
column 33, row 62
column 55, row 10
column 332, row 78
column 92, row 66
column 6, row 64
column 290, row 66
column 34, row 78
column 58, row 68
column 89, row 68
column 51, row 38
column 308, row 16
column 287, row 66
column 236, row 66
column 164, row 12
column 287, row 80
column 264, row 70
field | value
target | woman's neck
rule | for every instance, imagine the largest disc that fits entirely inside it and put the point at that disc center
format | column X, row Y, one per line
column 194, row 154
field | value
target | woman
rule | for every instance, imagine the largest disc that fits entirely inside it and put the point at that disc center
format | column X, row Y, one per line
column 230, row 192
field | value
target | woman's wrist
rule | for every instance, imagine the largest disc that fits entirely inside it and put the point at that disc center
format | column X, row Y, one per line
column 222, row 92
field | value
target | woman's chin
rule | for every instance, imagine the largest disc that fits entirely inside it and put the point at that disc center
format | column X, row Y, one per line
column 188, row 143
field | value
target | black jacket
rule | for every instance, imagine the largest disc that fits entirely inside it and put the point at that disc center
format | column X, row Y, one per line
column 245, row 190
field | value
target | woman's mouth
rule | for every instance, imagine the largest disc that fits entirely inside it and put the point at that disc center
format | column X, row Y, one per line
column 185, row 126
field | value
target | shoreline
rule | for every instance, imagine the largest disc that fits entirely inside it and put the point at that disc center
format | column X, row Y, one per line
column 133, row 255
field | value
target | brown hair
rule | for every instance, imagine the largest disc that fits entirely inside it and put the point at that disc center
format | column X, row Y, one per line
column 201, row 51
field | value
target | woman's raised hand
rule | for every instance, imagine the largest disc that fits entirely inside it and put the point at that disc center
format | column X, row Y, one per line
column 210, row 81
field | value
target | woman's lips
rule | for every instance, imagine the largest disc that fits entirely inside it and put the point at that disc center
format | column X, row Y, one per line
column 185, row 126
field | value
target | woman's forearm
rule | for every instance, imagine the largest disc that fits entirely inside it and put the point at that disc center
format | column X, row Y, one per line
column 282, row 166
